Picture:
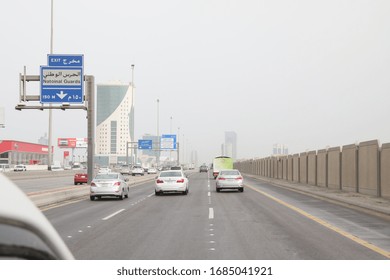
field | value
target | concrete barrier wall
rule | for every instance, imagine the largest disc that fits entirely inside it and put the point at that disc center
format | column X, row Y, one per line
column 349, row 159
column 322, row 168
column 285, row 167
column 363, row 168
column 334, row 168
column 312, row 168
column 290, row 168
column 295, row 173
column 385, row 170
column 303, row 168
column 368, row 168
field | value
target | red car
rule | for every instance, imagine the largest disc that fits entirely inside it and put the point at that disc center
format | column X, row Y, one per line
column 80, row 178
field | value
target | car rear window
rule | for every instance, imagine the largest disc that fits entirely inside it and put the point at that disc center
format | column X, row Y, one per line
column 230, row 172
column 106, row 176
column 170, row 174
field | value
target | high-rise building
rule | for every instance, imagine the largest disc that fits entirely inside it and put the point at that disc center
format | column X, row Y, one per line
column 231, row 144
column 114, row 122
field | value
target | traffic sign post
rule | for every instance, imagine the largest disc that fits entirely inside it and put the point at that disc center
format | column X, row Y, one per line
column 65, row 60
column 62, row 80
column 61, row 84
column 168, row 142
column 145, row 144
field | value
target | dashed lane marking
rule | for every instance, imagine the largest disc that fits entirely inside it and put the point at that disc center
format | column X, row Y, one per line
column 113, row 214
column 211, row 213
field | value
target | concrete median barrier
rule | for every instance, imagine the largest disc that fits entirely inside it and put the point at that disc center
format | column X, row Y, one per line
column 55, row 196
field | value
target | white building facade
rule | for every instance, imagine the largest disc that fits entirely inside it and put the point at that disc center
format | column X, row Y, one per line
column 114, row 122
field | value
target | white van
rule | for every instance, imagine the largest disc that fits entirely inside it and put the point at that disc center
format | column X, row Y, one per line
column 4, row 167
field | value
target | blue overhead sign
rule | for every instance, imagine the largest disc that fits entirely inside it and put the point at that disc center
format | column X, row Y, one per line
column 61, row 84
column 168, row 142
column 63, row 79
column 145, row 144
column 60, row 60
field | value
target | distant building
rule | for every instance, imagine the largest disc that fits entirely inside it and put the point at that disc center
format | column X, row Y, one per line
column 231, row 144
column 114, row 122
column 279, row 150
column 43, row 140
column 18, row 152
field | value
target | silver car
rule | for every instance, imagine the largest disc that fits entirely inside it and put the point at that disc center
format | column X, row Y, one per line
column 171, row 181
column 230, row 179
column 109, row 184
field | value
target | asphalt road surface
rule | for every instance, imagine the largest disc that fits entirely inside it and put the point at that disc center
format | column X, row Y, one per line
column 263, row 222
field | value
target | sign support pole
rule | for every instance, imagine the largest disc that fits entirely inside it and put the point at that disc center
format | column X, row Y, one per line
column 90, row 92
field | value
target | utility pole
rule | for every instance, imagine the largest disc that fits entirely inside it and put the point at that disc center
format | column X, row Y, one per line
column 49, row 162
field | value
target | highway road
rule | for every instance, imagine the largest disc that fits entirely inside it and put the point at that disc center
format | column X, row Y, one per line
column 263, row 222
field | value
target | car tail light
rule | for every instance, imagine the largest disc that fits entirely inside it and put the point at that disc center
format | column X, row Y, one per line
column 117, row 184
column 159, row 181
column 180, row 181
column 239, row 178
column 93, row 184
column 221, row 178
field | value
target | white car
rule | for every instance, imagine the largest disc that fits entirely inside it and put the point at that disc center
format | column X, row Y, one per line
column 137, row 170
column 104, row 170
column 152, row 170
column 26, row 234
column 20, row 167
column 171, row 181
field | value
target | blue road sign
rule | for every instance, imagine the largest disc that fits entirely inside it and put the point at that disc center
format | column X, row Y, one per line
column 61, row 84
column 64, row 60
column 145, row 144
column 168, row 142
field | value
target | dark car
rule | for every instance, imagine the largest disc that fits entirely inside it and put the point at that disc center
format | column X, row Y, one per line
column 203, row 168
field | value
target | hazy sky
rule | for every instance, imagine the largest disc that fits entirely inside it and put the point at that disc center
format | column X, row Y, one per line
column 307, row 74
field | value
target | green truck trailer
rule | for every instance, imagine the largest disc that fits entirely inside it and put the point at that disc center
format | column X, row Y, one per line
column 220, row 163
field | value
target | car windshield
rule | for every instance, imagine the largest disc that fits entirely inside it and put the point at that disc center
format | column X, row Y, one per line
column 171, row 174
column 230, row 172
column 106, row 176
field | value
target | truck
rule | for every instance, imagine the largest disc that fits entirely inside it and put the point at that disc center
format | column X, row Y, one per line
column 221, row 162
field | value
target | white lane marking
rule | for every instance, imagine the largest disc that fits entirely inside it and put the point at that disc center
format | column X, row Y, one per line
column 211, row 213
column 69, row 236
column 80, row 230
column 150, row 194
column 112, row 215
column 208, row 193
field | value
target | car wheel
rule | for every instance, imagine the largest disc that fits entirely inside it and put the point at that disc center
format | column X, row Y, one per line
column 121, row 196
column 242, row 190
column 92, row 198
column 218, row 190
column 75, row 183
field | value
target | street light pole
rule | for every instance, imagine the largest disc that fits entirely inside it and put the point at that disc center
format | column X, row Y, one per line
column 50, row 110
column 132, row 114
column 170, row 132
column 158, row 133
